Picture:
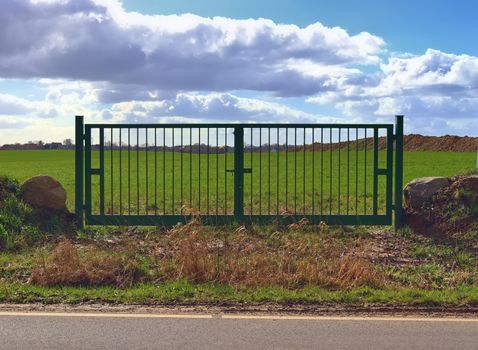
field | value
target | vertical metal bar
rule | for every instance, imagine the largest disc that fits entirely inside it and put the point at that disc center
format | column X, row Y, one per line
column 269, row 173
column 313, row 173
column 137, row 170
column 389, row 191
column 295, row 171
column 111, row 162
column 102, row 171
column 330, row 172
column 321, row 171
column 155, row 172
column 173, row 208
column 129, row 171
column 239, row 173
column 252, row 142
column 225, row 171
column 199, row 171
column 398, row 170
column 217, row 172
column 365, row 173
column 260, row 171
column 375, row 171
column 286, row 169
column 164, row 171
column 87, row 171
column 79, row 141
column 181, row 171
column 356, row 170
column 207, row 171
column 191, row 167
column 303, row 178
column 348, row 171
column 339, row 174
column 146, row 156
column 277, row 174
column 120, row 175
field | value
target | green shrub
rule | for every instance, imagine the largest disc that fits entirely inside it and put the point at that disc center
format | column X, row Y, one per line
column 17, row 226
column 7, row 239
column 8, row 187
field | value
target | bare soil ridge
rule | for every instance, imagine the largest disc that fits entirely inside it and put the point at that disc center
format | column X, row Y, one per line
column 412, row 142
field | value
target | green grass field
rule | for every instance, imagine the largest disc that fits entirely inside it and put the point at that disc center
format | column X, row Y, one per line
column 219, row 184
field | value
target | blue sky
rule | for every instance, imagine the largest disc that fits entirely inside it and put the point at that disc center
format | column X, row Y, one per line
column 236, row 61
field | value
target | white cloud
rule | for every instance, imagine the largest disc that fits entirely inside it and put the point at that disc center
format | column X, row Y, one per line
column 99, row 41
column 14, row 106
column 433, row 85
column 210, row 107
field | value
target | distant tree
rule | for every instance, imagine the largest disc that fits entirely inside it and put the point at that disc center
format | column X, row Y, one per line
column 67, row 142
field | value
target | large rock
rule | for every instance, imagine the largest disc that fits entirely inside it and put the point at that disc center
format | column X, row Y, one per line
column 44, row 192
column 420, row 191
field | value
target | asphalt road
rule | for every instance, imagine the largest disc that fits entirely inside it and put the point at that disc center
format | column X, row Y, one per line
column 110, row 331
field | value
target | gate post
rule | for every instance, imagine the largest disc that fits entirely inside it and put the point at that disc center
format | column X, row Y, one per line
column 79, row 139
column 398, row 171
column 239, row 173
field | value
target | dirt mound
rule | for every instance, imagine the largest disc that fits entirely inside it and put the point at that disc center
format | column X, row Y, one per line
column 451, row 214
column 412, row 142
column 447, row 143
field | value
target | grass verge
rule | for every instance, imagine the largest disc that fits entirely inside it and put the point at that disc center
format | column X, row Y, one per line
column 183, row 292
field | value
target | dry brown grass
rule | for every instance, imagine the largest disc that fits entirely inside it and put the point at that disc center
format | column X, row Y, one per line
column 287, row 257
column 244, row 258
column 64, row 266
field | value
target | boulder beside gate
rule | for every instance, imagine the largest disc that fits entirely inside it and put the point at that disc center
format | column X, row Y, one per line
column 44, row 192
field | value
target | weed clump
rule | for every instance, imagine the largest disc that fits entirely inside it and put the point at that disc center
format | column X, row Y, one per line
column 65, row 267
column 8, row 188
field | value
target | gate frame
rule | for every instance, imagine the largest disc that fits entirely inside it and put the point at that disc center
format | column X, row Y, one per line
column 396, row 176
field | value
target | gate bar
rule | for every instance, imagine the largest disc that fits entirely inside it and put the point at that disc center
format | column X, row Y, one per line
column 79, row 138
column 239, row 173
column 398, row 170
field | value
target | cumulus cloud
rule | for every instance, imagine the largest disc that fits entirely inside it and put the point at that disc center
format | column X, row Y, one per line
column 181, row 108
column 433, row 85
column 11, row 105
column 96, row 40
column 212, row 107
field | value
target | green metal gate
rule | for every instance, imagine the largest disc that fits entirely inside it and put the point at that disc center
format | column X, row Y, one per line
column 161, row 174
